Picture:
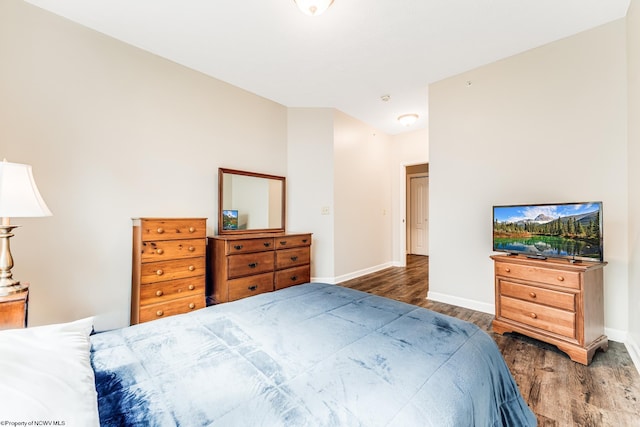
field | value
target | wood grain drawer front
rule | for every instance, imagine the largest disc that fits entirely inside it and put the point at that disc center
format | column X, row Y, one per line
column 170, row 270
column 251, row 285
column 163, row 291
column 539, row 316
column 558, row 299
column 248, row 264
column 292, row 276
column 293, row 241
column 292, row 257
column 170, row 308
column 567, row 279
column 170, row 229
column 172, row 249
column 249, row 245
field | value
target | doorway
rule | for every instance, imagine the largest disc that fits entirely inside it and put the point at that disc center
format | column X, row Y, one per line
column 417, row 209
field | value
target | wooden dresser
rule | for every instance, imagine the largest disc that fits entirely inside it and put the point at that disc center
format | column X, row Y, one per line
column 13, row 309
column 169, row 265
column 250, row 264
column 552, row 300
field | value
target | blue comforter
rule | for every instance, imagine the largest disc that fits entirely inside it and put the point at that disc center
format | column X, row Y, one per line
column 309, row 355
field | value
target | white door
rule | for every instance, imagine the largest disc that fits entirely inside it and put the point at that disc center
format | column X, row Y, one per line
column 419, row 205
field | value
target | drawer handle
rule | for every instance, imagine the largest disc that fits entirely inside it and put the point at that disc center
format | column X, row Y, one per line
column 283, row 242
column 191, row 287
column 192, row 306
column 160, row 230
column 253, row 265
column 192, row 229
column 253, row 287
column 294, row 278
column 191, row 268
column 532, row 294
column 533, row 315
column 508, row 270
column 159, row 251
column 294, row 258
column 159, row 272
column 560, row 279
column 267, row 244
column 237, row 247
column 159, row 313
column 191, row 248
column 159, row 293
column 304, row 240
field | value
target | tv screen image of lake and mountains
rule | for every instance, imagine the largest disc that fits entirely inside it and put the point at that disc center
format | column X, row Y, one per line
column 564, row 230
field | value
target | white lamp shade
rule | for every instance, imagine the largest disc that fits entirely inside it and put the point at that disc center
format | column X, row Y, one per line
column 313, row 7
column 19, row 195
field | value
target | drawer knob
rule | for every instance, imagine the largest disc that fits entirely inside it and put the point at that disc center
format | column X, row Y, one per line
column 294, row 278
column 508, row 270
column 192, row 287
column 159, row 272
column 159, row 313
column 237, row 247
column 159, row 293
column 294, row 258
column 283, row 242
column 253, row 265
column 532, row 294
column 253, row 287
column 533, row 315
column 159, row 251
column 304, row 240
column 160, row 230
column 267, row 244
column 192, row 306
column 560, row 279
column 191, row 249
column 192, row 229
column 191, row 268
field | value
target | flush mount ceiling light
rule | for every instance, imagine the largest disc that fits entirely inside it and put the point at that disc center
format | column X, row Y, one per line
column 313, row 7
column 408, row 119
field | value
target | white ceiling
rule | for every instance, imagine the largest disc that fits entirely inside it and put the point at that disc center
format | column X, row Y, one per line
column 347, row 58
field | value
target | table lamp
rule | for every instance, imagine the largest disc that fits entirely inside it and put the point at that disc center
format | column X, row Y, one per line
column 19, row 197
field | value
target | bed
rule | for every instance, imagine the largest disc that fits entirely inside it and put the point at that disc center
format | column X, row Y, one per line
column 308, row 355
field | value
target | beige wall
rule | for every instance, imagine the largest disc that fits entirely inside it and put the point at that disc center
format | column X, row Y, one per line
column 362, row 198
column 548, row 125
column 633, row 55
column 113, row 133
column 310, row 183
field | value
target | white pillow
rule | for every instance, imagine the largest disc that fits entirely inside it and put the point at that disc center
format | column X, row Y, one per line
column 46, row 375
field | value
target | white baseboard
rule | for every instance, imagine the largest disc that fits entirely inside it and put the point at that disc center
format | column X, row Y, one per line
column 354, row 275
column 616, row 335
column 634, row 351
column 462, row 302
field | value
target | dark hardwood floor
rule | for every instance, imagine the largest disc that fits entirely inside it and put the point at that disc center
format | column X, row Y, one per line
column 559, row 391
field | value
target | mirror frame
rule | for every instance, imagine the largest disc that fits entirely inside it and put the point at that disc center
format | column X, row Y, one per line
column 221, row 172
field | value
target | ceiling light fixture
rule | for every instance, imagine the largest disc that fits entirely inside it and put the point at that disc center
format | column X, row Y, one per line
column 313, row 7
column 408, row 119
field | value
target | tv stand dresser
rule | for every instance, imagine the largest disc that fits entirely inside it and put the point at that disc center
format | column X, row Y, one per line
column 552, row 300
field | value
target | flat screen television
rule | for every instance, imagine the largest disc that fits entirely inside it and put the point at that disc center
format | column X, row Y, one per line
column 563, row 230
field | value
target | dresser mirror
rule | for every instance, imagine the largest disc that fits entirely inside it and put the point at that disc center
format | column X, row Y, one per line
column 250, row 202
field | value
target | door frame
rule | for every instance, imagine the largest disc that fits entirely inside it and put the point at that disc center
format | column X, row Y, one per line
column 408, row 208
column 401, row 228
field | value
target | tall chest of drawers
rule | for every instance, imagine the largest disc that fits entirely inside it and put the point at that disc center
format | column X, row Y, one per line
column 245, row 265
column 169, row 265
column 553, row 301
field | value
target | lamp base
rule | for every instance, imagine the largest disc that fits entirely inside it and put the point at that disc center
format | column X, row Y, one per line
column 11, row 286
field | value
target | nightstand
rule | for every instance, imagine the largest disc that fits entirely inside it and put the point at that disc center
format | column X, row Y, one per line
column 13, row 310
